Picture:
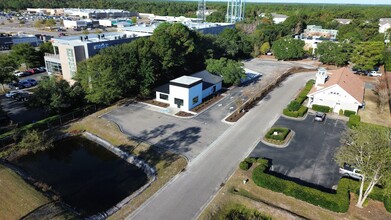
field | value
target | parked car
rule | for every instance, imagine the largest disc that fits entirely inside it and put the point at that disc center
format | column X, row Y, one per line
column 33, row 82
column 21, row 73
column 374, row 73
column 24, row 84
column 23, row 96
column 39, row 70
column 11, row 93
column 349, row 171
column 320, row 116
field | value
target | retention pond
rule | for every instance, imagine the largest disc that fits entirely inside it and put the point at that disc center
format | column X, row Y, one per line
column 84, row 174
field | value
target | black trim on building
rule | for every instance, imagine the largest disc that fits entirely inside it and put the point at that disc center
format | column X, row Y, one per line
column 185, row 85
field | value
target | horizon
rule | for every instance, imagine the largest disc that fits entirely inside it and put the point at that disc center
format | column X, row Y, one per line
column 329, row 2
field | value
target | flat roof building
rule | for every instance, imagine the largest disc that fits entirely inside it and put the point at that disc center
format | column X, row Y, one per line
column 187, row 92
column 70, row 50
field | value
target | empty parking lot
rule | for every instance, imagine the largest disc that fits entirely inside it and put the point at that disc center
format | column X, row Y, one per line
column 309, row 156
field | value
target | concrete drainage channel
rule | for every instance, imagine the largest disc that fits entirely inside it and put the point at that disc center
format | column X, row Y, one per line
column 150, row 171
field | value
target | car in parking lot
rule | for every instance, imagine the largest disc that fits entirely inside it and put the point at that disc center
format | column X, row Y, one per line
column 349, row 171
column 25, row 84
column 11, row 93
column 19, row 85
column 23, row 96
column 320, row 116
column 33, row 82
column 374, row 73
column 21, row 73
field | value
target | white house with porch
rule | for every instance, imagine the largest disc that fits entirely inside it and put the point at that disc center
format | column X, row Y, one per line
column 338, row 89
column 186, row 92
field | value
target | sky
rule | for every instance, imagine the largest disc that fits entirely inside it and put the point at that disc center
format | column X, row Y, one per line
column 370, row 2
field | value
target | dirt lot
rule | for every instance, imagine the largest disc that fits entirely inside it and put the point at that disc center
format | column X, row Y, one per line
column 279, row 206
column 371, row 113
column 17, row 198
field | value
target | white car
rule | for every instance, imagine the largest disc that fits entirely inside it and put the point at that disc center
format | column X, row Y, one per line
column 14, row 92
column 374, row 73
column 348, row 171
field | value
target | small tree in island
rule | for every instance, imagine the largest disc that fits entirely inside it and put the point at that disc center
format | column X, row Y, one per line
column 367, row 148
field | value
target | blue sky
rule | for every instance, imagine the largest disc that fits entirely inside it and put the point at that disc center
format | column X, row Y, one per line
column 371, row 2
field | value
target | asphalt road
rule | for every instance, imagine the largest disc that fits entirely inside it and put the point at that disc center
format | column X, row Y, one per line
column 186, row 195
column 309, row 157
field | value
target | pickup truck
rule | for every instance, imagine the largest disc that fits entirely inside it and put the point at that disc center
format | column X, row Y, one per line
column 349, row 171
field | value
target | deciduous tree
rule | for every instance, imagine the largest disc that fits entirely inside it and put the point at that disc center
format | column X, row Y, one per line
column 367, row 55
column 334, row 53
column 368, row 148
column 7, row 66
column 288, row 48
column 231, row 70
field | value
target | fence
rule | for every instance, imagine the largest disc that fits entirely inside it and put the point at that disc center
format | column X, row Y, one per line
column 50, row 123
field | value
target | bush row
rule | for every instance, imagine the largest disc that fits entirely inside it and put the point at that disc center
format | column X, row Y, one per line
column 299, row 113
column 321, row 108
column 354, row 120
column 247, row 163
column 348, row 113
column 338, row 202
column 282, row 133
column 303, row 94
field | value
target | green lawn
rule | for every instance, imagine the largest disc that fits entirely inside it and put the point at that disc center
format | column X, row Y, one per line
column 17, row 198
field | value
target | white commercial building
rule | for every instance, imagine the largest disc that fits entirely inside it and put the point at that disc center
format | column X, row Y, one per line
column 98, row 13
column 339, row 89
column 384, row 24
column 75, row 24
column 314, row 31
column 186, row 92
column 277, row 18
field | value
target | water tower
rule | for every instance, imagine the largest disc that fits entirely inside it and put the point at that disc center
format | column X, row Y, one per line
column 235, row 10
column 201, row 10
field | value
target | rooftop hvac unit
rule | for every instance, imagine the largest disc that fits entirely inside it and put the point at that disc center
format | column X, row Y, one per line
column 81, row 38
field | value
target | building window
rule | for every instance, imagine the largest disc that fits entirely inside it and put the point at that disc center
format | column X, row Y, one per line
column 178, row 102
column 195, row 100
column 163, row 96
column 213, row 89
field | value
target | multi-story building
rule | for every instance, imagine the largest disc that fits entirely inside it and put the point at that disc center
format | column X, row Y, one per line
column 314, row 31
column 7, row 41
column 70, row 50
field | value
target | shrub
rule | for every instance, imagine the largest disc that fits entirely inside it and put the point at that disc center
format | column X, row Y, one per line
column 244, row 165
column 321, row 108
column 290, row 113
column 294, row 106
column 300, row 99
column 301, row 112
column 338, row 202
column 354, row 120
column 348, row 113
column 282, row 133
column 340, row 112
column 236, row 212
column 250, row 160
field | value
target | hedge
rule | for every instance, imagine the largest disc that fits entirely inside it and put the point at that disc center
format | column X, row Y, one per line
column 338, row 202
column 354, row 120
column 244, row 165
column 301, row 112
column 348, row 113
column 321, row 108
column 294, row 106
column 283, row 132
column 290, row 113
column 303, row 94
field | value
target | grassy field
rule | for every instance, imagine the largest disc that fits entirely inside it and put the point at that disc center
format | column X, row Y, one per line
column 167, row 164
column 280, row 206
column 371, row 113
column 17, row 198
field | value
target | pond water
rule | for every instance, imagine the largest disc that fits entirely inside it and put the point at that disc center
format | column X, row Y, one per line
column 86, row 176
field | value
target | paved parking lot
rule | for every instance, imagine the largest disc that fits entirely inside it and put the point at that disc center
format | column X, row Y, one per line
column 309, row 156
column 188, row 137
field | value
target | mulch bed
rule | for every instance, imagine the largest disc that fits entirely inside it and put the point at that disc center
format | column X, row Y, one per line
column 234, row 117
column 184, row 114
column 156, row 103
column 207, row 102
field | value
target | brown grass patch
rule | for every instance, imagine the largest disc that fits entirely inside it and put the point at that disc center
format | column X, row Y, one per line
column 280, row 206
column 184, row 114
column 371, row 113
column 156, row 103
column 17, row 198
column 207, row 102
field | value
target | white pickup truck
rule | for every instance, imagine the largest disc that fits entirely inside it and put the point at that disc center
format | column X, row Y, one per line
column 348, row 171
